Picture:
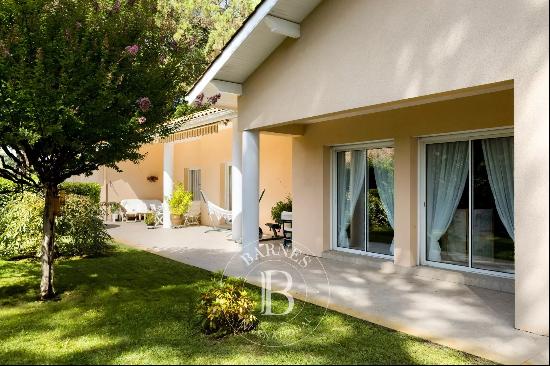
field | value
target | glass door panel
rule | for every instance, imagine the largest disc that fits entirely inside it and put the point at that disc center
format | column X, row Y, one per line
column 447, row 202
column 492, row 245
column 380, row 201
column 469, row 204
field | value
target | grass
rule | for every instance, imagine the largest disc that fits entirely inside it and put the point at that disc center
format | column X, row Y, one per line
column 134, row 307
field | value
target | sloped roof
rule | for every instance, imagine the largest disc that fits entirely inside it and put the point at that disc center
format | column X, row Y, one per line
column 263, row 31
column 203, row 118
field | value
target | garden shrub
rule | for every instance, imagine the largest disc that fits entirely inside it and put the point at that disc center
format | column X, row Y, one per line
column 21, row 226
column 90, row 190
column 279, row 207
column 226, row 308
column 7, row 190
column 79, row 230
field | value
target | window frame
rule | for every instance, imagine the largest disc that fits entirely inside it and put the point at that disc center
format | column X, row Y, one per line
column 189, row 182
column 334, row 149
column 469, row 136
column 227, row 185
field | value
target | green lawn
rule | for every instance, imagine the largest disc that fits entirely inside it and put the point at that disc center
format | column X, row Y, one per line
column 135, row 307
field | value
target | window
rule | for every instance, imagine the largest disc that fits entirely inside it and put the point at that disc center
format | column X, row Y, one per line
column 363, row 199
column 194, row 183
column 469, row 196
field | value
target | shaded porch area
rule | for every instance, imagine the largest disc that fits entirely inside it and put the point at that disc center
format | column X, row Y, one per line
column 468, row 318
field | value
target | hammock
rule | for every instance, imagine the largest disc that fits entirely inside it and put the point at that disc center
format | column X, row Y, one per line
column 215, row 211
column 218, row 212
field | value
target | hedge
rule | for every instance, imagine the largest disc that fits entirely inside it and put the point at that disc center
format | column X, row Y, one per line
column 90, row 190
column 79, row 230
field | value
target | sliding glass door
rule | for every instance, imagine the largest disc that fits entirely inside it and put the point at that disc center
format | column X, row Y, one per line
column 364, row 208
column 469, row 196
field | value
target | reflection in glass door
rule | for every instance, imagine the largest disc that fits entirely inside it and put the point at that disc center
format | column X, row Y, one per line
column 364, row 200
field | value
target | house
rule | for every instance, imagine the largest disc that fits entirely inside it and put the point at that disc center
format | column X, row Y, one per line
column 419, row 133
column 199, row 155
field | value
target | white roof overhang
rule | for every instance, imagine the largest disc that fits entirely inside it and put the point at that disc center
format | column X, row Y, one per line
column 264, row 30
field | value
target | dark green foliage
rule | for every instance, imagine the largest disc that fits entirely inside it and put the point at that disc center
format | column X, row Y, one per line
column 7, row 190
column 226, row 307
column 80, row 231
column 90, row 190
column 85, row 83
column 279, row 207
column 378, row 219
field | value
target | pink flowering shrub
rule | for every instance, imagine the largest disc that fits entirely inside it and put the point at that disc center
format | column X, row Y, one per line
column 144, row 104
column 132, row 50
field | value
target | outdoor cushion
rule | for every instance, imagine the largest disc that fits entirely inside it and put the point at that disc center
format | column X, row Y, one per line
column 134, row 205
column 153, row 205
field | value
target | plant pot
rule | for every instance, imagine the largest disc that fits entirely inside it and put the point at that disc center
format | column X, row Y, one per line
column 176, row 220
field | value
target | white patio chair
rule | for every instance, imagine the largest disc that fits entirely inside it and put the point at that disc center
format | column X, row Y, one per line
column 193, row 215
column 159, row 215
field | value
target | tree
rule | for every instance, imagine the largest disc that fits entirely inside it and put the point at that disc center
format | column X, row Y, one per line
column 219, row 19
column 83, row 84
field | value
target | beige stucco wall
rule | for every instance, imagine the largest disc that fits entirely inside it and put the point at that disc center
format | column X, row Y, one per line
column 131, row 182
column 311, row 161
column 358, row 53
column 211, row 153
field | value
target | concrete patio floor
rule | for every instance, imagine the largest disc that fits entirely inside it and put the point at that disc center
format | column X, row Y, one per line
column 472, row 319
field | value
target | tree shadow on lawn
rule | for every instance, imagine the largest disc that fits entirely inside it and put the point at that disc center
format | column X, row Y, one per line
column 135, row 307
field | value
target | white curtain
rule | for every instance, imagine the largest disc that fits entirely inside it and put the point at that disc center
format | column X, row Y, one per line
column 350, row 186
column 499, row 159
column 447, row 170
column 343, row 199
column 382, row 162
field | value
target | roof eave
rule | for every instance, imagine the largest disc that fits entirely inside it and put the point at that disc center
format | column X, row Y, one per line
column 261, row 11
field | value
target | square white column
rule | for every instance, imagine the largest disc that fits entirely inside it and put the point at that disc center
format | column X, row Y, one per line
column 236, row 184
column 250, row 191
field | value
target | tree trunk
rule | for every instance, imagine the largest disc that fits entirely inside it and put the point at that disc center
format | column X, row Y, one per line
column 48, row 227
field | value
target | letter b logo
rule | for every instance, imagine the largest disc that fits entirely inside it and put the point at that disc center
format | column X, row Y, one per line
column 267, row 278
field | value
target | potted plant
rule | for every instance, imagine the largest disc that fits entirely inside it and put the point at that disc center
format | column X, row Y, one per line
column 115, row 208
column 279, row 207
column 179, row 204
column 150, row 219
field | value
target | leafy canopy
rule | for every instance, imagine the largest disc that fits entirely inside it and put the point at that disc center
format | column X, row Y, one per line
column 216, row 19
column 85, row 84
